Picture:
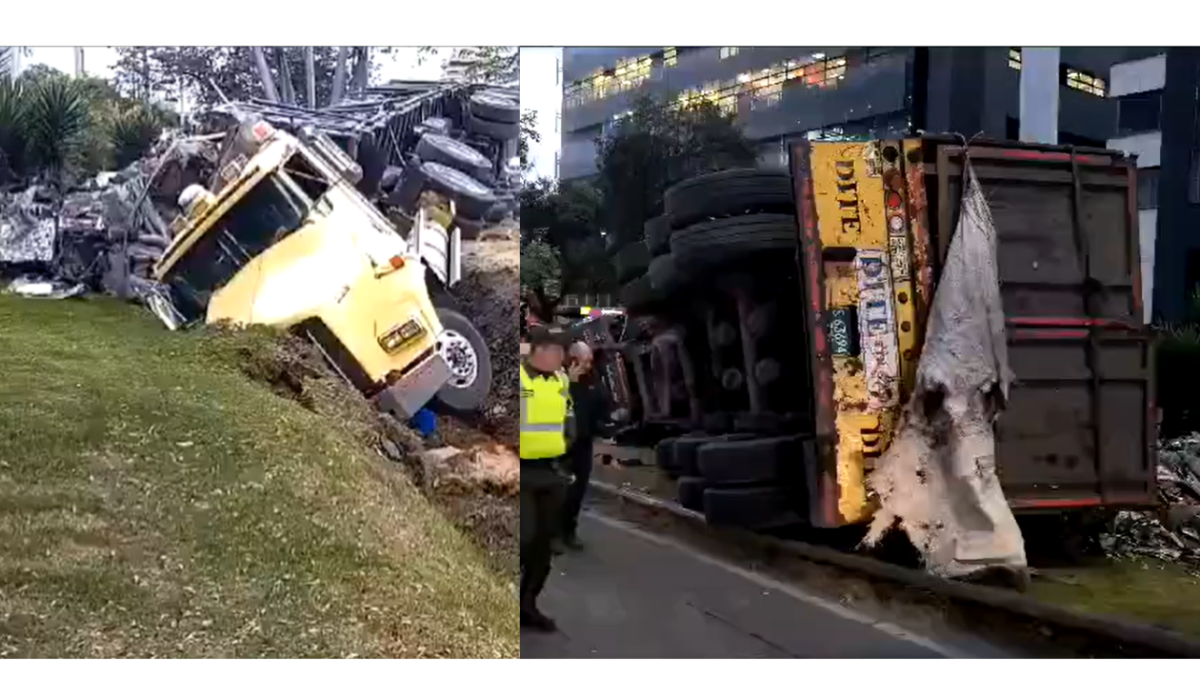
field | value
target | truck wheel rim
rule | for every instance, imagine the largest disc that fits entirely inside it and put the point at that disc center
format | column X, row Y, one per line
column 460, row 356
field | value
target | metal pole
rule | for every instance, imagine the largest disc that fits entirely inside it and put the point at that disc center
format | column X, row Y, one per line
column 1039, row 94
column 79, row 71
column 264, row 74
column 310, row 78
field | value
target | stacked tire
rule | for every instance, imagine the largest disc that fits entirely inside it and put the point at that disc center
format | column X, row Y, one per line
column 739, row 480
column 444, row 161
column 723, row 218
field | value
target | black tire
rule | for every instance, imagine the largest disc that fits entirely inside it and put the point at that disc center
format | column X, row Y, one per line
column 716, row 423
column 766, row 423
column 471, row 198
column 468, row 387
column 391, row 178
column 725, row 334
column 495, row 108
column 768, row 371
column 637, row 294
column 662, row 274
column 658, row 235
column 761, row 320
column 456, row 155
column 750, row 507
column 685, row 448
column 728, row 193
column 721, row 242
column 631, row 261
column 760, row 460
column 501, row 131
column 690, row 493
column 664, row 457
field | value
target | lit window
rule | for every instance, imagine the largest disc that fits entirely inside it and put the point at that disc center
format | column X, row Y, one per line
column 728, row 52
column 670, row 58
column 1014, row 58
column 1089, row 84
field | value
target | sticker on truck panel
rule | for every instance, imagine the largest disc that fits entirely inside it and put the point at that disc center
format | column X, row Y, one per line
column 877, row 330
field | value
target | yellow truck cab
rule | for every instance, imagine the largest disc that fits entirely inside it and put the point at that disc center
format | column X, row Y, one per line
column 289, row 242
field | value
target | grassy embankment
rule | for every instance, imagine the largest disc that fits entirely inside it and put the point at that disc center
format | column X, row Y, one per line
column 156, row 502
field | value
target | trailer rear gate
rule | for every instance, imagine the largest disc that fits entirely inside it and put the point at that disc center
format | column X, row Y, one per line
column 1079, row 428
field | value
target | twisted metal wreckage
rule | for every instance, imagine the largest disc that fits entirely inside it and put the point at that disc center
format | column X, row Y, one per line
column 406, row 137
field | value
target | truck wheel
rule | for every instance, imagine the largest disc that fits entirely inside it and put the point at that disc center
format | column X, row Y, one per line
column 728, row 193
column 637, row 294
column 472, row 199
column 662, row 274
column 724, row 335
column 753, row 508
column 631, row 261
column 470, row 228
column 664, row 457
column 760, row 460
column 456, row 155
column 495, row 108
column 684, row 451
column 658, row 235
column 690, row 493
column 767, row 371
column 764, row 423
column 470, row 363
column 720, row 242
column 500, row 131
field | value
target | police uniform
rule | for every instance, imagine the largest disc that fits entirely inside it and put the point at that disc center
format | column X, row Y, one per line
column 544, row 425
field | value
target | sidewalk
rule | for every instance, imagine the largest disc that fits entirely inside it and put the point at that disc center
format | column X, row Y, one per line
column 633, row 594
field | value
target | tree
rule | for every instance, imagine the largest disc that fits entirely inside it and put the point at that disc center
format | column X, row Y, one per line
column 541, row 274
column 194, row 70
column 565, row 217
column 656, row 146
column 529, row 134
column 489, row 65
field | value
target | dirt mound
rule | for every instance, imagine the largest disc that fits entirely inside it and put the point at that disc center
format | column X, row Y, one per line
column 489, row 294
column 469, row 475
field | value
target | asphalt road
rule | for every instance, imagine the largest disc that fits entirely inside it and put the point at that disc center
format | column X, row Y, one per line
column 635, row 594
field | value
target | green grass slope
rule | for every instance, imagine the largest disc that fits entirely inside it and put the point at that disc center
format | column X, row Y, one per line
column 156, row 502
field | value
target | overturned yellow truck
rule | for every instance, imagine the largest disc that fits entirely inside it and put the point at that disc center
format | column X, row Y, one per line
column 288, row 241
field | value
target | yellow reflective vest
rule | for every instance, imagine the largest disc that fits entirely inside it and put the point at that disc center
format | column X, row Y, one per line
column 545, row 407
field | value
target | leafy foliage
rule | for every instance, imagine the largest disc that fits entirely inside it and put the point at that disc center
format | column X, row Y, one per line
column 529, row 134
column 565, row 216
column 490, row 65
column 541, row 269
column 195, row 70
column 56, row 126
column 656, row 146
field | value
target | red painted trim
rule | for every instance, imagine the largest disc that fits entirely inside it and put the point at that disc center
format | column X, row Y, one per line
column 1061, row 321
column 1134, row 240
column 1044, row 156
column 1045, row 334
column 1084, row 502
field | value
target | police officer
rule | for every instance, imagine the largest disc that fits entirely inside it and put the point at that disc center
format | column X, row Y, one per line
column 545, row 421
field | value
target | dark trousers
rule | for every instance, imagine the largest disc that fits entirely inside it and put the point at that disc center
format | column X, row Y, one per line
column 580, row 457
column 543, row 490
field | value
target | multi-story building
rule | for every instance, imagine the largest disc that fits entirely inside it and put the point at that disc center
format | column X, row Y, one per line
column 784, row 93
column 1158, row 119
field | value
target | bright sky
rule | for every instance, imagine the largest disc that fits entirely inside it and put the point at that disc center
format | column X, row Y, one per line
column 541, row 90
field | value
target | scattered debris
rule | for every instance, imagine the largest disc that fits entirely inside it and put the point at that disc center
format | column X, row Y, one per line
column 1173, row 532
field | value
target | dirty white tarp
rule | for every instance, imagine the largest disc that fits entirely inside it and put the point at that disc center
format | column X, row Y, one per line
column 938, row 479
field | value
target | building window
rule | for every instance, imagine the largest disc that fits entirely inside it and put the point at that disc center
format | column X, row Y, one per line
column 1085, row 82
column 1147, row 188
column 1138, row 113
column 729, row 52
column 1014, row 58
column 670, row 57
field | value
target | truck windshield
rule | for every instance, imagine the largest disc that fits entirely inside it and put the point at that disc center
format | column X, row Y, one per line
column 269, row 212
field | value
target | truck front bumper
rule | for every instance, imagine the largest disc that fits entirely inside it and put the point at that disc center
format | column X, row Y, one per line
column 410, row 393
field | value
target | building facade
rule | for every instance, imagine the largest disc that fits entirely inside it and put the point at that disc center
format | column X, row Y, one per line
column 1158, row 119
column 785, row 93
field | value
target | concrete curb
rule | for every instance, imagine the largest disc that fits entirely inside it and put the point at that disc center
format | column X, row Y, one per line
column 1155, row 641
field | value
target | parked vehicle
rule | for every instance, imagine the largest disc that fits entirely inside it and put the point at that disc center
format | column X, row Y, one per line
column 778, row 404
